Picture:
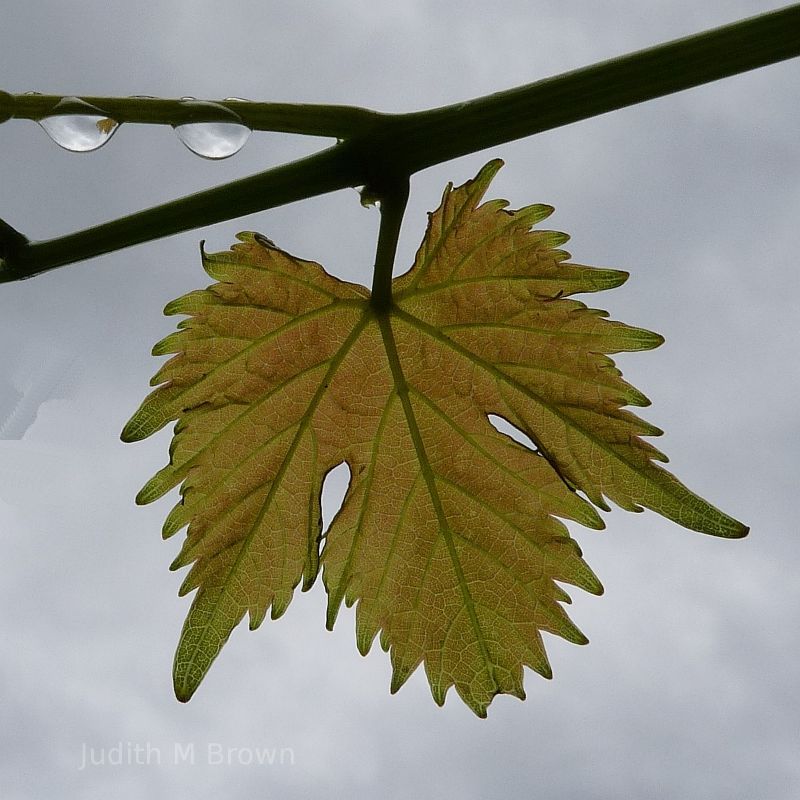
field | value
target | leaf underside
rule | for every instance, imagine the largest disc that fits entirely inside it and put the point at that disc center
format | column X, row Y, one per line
column 449, row 539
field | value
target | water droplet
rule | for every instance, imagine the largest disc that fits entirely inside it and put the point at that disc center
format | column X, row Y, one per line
column 238, row 100
column 215, row 138
column 78, row 126
column 369, row 198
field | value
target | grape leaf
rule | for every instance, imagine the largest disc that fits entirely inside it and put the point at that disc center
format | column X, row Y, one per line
column 449, row 538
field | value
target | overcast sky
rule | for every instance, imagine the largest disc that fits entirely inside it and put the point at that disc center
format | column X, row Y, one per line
column 689, row 686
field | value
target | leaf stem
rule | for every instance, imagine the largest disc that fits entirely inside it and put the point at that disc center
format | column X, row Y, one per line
column 393, row 205
column 403, row 143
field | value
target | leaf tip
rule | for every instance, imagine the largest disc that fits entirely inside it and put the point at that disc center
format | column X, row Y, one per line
column 400, row 674
column 335, row 598
column 648, row 340
column 183, row 690
column 699, row 515
column 611, row 278
column 178, row 563
column 257, row 616
column 265, row 241
column 280, row 602
column 309, row 579
column 175, row 306
column 131, row 432
column 149, row 492
column 487, row 173
column 332, row 613
column 186, row 677
column 364, row 639
column 176, row 519
column 736, row 530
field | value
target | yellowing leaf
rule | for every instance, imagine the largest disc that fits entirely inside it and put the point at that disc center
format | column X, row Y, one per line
column 449, row 538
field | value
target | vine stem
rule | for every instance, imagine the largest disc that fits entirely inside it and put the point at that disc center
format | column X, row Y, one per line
column 323, row 172
column 405, row 143
column 313, row 120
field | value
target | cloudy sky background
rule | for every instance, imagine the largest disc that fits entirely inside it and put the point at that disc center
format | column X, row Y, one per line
column 688, row 688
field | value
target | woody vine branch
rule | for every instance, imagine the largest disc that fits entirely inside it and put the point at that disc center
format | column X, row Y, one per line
column 381, row 151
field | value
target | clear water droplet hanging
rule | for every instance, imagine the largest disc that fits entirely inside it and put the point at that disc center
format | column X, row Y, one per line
column 220, row 137
column 78, row 126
